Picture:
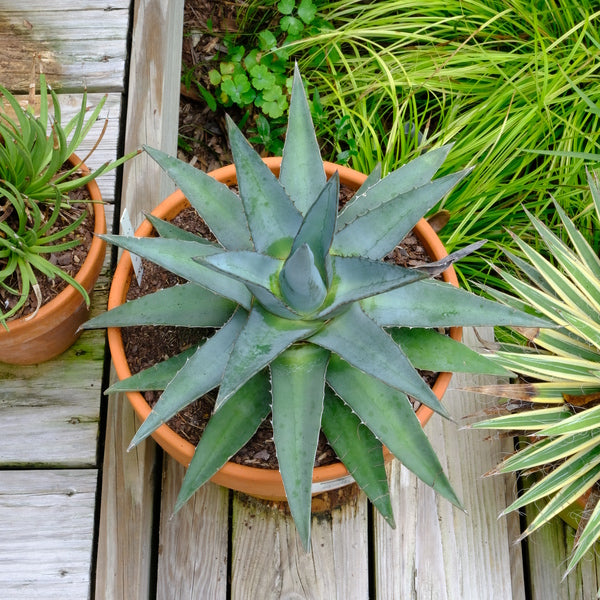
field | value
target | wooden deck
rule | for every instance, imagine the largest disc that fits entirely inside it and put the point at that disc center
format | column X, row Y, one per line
column 81, row 518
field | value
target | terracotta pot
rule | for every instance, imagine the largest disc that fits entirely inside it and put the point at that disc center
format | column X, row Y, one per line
column 262, row 483
column 55, row 327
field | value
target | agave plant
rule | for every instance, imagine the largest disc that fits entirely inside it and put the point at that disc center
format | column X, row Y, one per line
column 556, row 402
column 311, row 324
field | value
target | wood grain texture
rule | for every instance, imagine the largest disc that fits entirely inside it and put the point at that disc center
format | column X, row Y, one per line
column 437, row 551
column 126, row 524
column 192, row 561
column 77, row 44
column 268, row 560
column 548, row 550
column 127, row 504
column 46, row 525
column 153, row 106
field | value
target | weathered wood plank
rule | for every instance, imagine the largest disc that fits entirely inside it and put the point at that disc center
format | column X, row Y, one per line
column 127, row 507
column 193, row 543
column 548, row 550
column 268, row 560
column 78, row 45
column 124, row 549
column 46, row 520
column 153, row 107
column 436, row 550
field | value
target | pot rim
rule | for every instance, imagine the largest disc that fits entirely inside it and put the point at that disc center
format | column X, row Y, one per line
column 233, row 475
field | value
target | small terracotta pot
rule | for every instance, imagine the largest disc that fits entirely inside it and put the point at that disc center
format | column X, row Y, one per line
column 55, row 327
column 262, row 483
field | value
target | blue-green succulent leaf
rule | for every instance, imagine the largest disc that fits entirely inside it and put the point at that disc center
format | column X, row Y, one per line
column 373, row 177
column 156, row 377
column 220, row 208
column 432, row 303
column 168, row 230
column 378, row 231
column 297, row 387
column 272, row 217
column 389, row 414
column 178, row 256
column 302, row 174
column 359, row 450
column 187, row 305
column 413, row 175
column 319, row 225
column 355, row 278
column 201, row 373
column 301, row 283
column 264, row 337
column 226, row 432
column 429, row 350
column 362, row 343
column 258, row 272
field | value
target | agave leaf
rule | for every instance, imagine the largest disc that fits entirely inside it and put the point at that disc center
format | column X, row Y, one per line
column 358, row 340
column 391, row 417
column 201, row 373
column 429, row 350
column 378, row 231
column 187, row 305
column 318, row 226
column 355, row 278
column 258, row 272
column 588, row 538
column 225, row 433
column 432, row 303
column 526, row 421
column 547, row 451
column 302, row 174
column 373, row 177
column 563, row 499
column 359, row 450
column 583, row 421
column 264, row 337
column 215, row 202
column 512, row 301
column 297, row 387
column 272, row 217
column 575, row 467
column 156, row 377
column 168, row 230
column 178, row 256
column 301, row 282
column 413, row 175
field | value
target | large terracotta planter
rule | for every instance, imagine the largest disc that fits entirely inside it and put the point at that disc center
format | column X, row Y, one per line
column 262, row 483
column 55, row 327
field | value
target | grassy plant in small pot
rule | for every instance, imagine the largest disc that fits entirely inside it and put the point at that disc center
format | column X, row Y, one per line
column 312, row 326
column 555, row 405
column 38, row 171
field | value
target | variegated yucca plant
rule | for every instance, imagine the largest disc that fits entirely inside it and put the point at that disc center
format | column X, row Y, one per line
column 555, row 404
column 311, row 325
